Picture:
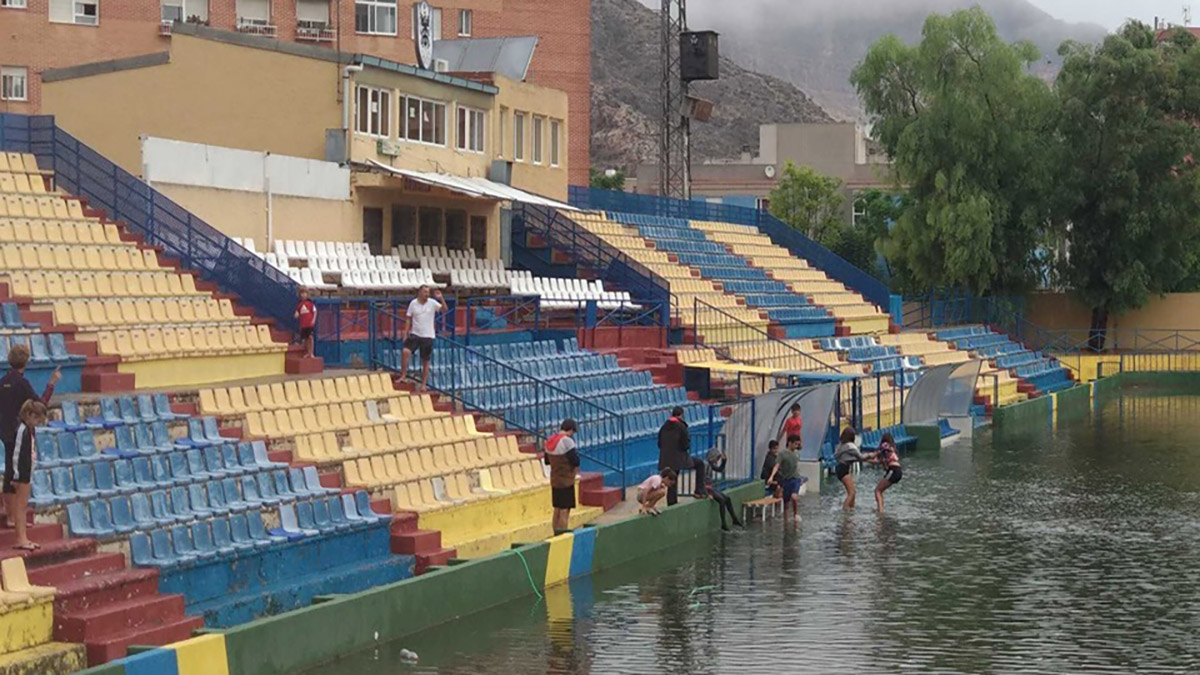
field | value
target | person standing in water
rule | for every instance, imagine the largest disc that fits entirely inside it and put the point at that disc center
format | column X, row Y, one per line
column 889, row 459
column 846, row 455
column 787, row 472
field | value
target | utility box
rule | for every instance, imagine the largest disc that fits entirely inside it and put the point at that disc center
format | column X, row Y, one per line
column 699, row 57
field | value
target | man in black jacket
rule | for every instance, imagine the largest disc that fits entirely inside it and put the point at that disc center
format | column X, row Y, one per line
column 674, row 446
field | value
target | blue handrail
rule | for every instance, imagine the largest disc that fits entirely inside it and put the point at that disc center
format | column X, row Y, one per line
column 144, row 211
column 874, row 290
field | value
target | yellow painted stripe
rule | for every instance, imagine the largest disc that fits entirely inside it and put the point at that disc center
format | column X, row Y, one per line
column 558, row 560
column 203, row 655
column 25, row 626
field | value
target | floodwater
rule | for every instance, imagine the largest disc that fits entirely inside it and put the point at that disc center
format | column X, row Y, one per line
column 1067, row 550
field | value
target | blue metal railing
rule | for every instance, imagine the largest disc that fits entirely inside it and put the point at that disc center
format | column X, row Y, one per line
column 874, row 290
column 585, row 248
column 144, row 211
column 456, row 372
column 525, row 312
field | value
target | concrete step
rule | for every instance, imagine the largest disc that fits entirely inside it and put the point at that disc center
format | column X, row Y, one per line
column 404, row 522
column 103, row 589
column 434, row 558
column 416, row 542
column 95, row 624
column 40, row 533
column 115, row 647
column 298, row 364
column 604, row 497
column 52, row 552
column 77, row 568
column 105, row 380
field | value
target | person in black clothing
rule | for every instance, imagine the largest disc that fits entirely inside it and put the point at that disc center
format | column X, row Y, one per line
column 674, row 452
column 768, row 464
column 15, row 390
column 716, row 464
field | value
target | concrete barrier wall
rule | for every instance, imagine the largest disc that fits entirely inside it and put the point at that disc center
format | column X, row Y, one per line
column 313, row 635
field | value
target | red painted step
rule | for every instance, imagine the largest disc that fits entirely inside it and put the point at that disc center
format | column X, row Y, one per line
column 440, row 557
column 77, row 568
column 604, row 497
column 51, row 552
column 94, row 624
column 115, row 647
column 40, row 533
column 298, row 364
column 330, row 479
column 418, row 541
column 280, row 456
column 84, row 594
column 383, row 506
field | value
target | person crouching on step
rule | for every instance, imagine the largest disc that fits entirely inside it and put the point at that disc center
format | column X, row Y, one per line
column 651, row 491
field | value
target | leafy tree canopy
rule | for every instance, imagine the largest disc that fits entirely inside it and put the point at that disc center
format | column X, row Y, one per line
column 810, row 202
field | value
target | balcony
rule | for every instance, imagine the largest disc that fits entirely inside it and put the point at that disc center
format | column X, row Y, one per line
column 255, row 27
column 314, row 32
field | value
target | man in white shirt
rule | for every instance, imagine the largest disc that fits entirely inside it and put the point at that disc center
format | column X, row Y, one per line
column 419, row 329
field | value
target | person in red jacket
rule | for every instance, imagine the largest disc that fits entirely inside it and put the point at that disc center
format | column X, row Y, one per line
column 306, row 313
column 793, row 425
column 562, row 454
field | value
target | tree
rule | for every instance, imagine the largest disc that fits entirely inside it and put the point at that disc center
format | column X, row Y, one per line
column 809, row 202
column 969, row 130
column 1128, row 182
column 604, row 181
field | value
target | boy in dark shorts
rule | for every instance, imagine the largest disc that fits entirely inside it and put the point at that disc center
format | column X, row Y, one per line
column 306, row 314
column 562, row 454
column 787, row 472
column 17, row 478
column 771, row 488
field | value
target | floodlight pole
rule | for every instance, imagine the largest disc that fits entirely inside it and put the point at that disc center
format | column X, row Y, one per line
column 675, row 152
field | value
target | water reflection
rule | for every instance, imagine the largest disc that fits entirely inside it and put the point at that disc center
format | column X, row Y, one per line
column 1027, row 552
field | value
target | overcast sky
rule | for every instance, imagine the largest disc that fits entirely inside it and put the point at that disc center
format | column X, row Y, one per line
column 1112, row 13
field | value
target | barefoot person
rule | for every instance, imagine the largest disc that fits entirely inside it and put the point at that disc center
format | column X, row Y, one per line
column 651, row 491
column 716, row 465
column 847, row 454
column 419, row 331
column 33, row 415
column 889, row 459
column 15, row 390
column 787, row 472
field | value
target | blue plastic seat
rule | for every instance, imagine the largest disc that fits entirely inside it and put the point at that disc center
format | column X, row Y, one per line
column 259, row 533
column 71, row 419
column 212, row 433
column 160, row 467
column 261, row 458
column 143, row 473
column 68, row 448
column 165, row 554
column 59, row 352
column 162, row 408
column 126, row 448
column 196, row 466
column 305, row 520
column 198, row 499
column 79, row 520
column 122, row 515
column 181, row 537
column 223, row 539
column 336, row 515
column 143, row 436
column 313, row 481
column 179, row 468
column 233, row 499
column 203, row 540
column 229, row 460
column 289, row 526
column 85, row 480
column 299, row 486
column 363, row 500
column 139, row 550
column 110, row 417
column 180, row 504
column 162, row 436
column 216, row 498
column 195, row 436
column 160, row 510
column 106, row 480
column 213, row 462
column 246, row 457
column 12, row 317
column 266, row 489
column 282, row 487
column 350, row 510
column 101, row 518
column 128, row 412
column 42, row 492
column 47, row 449
column 126, row 480
column 145, row 408
column 39, row 351
column 239, row 531
column 142, row 515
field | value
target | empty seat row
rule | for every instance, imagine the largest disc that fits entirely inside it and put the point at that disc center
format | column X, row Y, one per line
column 398, row 280
column 245, row 534
column 344, row 416
column 19, row 162
column 298, row 393
column 448, row 265
column 43, row 349
column 27, row 231
column 145, row 312
column 308, row 278
column 303, row 250
column 338, row 264
column 11, row 319
column 77, row 257
column 103, row 285
column 472, row 450
column 439, row 493
column 170, row 342
column 44, row 207
column 393, row 468
column 557, row 293
column 481, row 279
column 413, row 253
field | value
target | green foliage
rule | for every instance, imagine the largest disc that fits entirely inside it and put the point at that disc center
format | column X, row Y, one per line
column 810, row 202
column 1128, row 191
column 598, row 179
column 969, row 130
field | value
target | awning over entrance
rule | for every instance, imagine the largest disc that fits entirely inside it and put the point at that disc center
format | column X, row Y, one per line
column 474, row 187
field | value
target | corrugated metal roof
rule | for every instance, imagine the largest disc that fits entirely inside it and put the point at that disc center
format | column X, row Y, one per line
column 508, row 56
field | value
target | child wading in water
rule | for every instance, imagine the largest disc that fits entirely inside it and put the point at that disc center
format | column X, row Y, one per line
column 787, row 472
column 846, row 454
column 889, row 459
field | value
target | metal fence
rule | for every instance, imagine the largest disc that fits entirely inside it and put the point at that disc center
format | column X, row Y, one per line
column 780, row 232
column 144, row 211
column 488, row 313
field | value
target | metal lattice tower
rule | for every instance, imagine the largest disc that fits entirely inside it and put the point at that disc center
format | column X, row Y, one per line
column 674, row 151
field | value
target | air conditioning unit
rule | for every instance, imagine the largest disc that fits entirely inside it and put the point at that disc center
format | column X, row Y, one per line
column 441, row 66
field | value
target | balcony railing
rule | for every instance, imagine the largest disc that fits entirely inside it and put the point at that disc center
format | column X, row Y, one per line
column 314, row 33
column 255, row 27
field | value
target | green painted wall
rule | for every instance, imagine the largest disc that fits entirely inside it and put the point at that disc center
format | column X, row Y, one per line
column 1033, row 411
column 928, row 438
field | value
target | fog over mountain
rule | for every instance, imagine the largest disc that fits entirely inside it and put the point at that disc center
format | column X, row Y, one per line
column 814, row 44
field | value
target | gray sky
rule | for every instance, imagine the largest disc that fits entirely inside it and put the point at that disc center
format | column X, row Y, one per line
column 1112, row 13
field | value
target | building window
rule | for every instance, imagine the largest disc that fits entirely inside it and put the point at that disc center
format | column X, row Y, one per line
column 435, row 28
column 538, row 123
column 373, row 111
column 424, row 121
column 464, row 22
column 14, row 84
column 194, row 11
column 503, row 131
column 555, row 130
column 375, row 17
column 470, row 129
column 519, row 137
column 13, row 4
column 82, row 12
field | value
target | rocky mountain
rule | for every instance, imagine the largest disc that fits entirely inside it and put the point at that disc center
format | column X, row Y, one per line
column 626, row 106
column 814, row 44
